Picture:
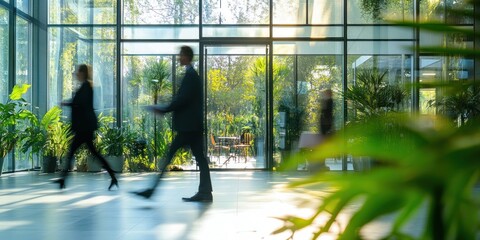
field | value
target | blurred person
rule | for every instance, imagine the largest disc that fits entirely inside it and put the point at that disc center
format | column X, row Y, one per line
column 84, row 124
column 326, row 125
column 326, row 113
column 187, row 108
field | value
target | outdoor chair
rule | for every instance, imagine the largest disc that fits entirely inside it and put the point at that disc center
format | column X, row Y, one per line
column 244, row 148
column 214, row 147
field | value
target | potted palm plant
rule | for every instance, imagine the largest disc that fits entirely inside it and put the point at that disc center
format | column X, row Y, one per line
column 371, row 96
column 112, row 142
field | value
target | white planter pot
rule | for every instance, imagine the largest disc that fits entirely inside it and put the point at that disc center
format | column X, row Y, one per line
column 116, row 162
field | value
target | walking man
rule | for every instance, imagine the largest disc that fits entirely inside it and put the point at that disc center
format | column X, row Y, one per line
column 187, row 108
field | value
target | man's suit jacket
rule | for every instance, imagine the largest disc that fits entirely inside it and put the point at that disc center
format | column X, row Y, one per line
column 187, row 104
column 83, row 115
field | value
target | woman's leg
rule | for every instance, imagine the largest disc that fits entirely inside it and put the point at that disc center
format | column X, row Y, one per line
column 98, row 156
column 77, row 141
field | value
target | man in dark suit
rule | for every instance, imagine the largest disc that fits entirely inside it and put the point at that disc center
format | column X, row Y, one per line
column 187, row 108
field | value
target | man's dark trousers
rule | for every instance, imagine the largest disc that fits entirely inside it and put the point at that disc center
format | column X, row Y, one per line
column 195, row 141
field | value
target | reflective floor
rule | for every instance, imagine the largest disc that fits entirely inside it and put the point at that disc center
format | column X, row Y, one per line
column 244, row 208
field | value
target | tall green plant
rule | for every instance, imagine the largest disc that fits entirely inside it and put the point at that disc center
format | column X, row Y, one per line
column 156, row 75
column 372, row 96
column 462, row 101
column 11, row 114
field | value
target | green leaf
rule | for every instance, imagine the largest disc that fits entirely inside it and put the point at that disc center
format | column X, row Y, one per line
column 374, row 206
column 18, row 91
column 51, row 117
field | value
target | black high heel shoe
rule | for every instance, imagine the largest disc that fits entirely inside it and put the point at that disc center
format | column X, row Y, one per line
column 114, row 182
column 61, row 183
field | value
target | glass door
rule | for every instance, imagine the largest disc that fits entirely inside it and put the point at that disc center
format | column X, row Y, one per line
column 236, row 105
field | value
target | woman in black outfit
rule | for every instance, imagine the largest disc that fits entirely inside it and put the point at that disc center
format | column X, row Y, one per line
column 84, row 123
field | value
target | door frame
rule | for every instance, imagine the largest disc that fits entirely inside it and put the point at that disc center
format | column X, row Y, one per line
column 269, row 140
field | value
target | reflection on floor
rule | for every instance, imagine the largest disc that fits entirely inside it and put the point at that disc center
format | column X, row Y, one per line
column 244, row 208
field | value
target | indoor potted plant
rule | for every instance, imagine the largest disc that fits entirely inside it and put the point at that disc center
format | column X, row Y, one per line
column 49, row 136
column 57, row 140
column 11, row 113
column 111, row 143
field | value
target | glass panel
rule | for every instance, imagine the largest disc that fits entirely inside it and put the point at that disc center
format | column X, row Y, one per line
column 23, row 76
column 236, row 31
column 4, row 59
column 379, row 32
column 236, row 11
column 427, row 96
column 153, row 135
column 381, row 47
column 307, row 48
column 462, row 5
column 437, row 69
column 289, row 12
column 160, row 12
column 82, row 12
column 431, row 70
column 397, row 70
column 325, row 12
column 161, row 32
column 373, row 11
column 307, row 32
column 149, row 48
column 70, row 46
column 22, row 55
column 236, row 105
column 24, row 5
column 394, row 68
column 438, row 11
column 300, row 80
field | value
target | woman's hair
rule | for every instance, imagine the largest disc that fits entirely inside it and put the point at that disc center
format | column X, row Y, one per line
column 87, row 71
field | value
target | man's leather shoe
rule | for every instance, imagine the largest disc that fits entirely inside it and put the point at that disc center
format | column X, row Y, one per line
column 145, row 193
column 200, row 197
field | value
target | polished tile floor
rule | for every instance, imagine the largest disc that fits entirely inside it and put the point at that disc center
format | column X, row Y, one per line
column 244, row 208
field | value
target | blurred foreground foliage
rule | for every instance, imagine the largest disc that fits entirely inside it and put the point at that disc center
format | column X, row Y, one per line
column 429, row 162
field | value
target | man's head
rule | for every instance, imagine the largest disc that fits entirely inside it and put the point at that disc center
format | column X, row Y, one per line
column 186, row 55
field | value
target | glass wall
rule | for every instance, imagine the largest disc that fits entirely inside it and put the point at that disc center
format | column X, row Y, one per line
column 315, row 45
column 16, row 57
column 236, row 82
column 4, row 68
column 82, row 12
column 24, row 5
column 150, row 75
column 435, row 68
column 70, row 46
column 302, row 71
column 160, row 12
column 23, row 74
